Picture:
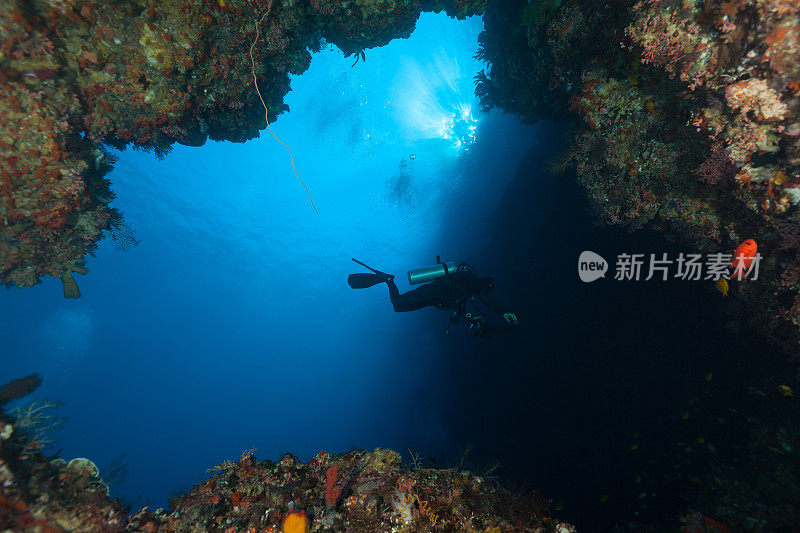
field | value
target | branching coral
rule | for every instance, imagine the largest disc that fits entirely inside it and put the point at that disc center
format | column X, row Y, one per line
column 37, row 421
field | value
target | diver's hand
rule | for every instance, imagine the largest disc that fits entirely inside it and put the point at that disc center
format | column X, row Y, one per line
column 511, row 319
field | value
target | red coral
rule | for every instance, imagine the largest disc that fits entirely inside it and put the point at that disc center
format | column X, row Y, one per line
column 331, row 490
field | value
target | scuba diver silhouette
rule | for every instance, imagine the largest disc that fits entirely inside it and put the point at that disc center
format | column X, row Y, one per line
column 448, row 286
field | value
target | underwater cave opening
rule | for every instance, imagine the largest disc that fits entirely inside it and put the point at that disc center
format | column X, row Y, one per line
column 230, row 323
column 230, row 326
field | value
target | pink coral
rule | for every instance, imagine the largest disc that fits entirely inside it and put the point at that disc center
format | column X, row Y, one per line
column 718, row 168
column 755, row 95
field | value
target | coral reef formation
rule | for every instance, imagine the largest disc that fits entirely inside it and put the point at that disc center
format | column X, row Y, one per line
column 355, row 491
column 684, row 119
column 75, row 75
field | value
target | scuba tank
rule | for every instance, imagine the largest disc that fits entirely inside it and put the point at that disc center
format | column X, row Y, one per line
column 426, row 274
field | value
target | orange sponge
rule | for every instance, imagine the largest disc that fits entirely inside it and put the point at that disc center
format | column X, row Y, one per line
column 295, row 522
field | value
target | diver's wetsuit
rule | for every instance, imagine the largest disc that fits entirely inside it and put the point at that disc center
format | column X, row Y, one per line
column 452, row 291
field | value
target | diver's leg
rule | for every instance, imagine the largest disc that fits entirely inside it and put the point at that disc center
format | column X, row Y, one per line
column 393, row 291
column 414, row 299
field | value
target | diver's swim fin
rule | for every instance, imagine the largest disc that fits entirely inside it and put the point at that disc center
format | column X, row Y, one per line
column 364, row 280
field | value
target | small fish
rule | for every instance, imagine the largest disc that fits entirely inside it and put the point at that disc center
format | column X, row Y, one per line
column 685, row 416
column 638, row 479
column 710, row 374
column 558, row 507
column 786, row 390
column 722, row 286
column 603, row 498
column 42, row 73
column 743, row 258
column 701, row 440
column 634, row 446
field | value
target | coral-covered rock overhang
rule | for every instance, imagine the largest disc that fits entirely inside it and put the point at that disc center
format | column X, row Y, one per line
column 77, row 75
column 684, row 113
column 684, row 119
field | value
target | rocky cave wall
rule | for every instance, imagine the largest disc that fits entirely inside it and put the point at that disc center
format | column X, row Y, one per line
column 684, row 118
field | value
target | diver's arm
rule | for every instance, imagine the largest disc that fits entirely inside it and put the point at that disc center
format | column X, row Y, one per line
column 510, row 318
column 492, row 305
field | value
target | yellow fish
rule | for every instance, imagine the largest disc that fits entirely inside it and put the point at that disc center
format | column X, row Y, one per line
column 722, row 286
column 786, row 390
column 710, row 374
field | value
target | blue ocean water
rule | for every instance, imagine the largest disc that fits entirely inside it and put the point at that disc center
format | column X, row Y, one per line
column 231, row 325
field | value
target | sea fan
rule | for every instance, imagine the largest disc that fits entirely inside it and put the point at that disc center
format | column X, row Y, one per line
column 718, row 169
column 482, row 53
column 482, row 85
